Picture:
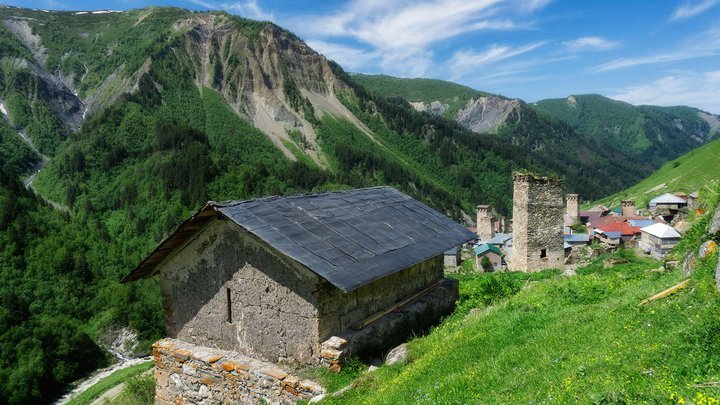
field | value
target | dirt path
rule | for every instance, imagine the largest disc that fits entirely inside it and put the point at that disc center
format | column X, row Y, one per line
column 84, row 385
column 113, row 392
column 109, row 395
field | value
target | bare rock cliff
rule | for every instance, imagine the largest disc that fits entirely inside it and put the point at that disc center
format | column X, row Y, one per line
column 486, row 113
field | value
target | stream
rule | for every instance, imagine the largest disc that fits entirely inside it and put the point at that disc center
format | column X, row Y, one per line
column 83, row 385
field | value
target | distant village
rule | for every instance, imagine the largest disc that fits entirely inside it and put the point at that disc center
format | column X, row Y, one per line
column 501, row 244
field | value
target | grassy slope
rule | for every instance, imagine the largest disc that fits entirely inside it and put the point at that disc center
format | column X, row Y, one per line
column 582, row 339
column 566, row 340
column 687, row 173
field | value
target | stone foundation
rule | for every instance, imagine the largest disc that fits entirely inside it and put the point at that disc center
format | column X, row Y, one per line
column 189, row 374
column 392, row 328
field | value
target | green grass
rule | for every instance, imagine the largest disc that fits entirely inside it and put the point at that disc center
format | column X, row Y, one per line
column 139, row 390
column 688, row 173
column 547, row 338
column 109, row 382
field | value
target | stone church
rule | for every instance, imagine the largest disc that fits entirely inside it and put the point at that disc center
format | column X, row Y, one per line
column 274, row 278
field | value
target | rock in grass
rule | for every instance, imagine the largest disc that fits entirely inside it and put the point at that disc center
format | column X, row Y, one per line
column 397, row 355
column 689, row 263
column 715, row 223
column 707, row 248
column 317, row 399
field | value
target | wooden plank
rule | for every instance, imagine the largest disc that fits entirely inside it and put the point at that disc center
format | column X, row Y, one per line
column 665, row 293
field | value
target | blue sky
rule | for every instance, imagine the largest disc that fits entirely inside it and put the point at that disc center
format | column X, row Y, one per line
column 644, row 52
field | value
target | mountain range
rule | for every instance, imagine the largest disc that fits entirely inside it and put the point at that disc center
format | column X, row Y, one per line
column 123, row 123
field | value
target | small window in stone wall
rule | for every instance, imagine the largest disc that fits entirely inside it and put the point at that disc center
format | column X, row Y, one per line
column 229, row 305
column 543, row 253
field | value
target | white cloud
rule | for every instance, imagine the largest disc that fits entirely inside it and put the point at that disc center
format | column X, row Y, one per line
column 248, row 9
column 464, row 62
column 690, row 10
column 703, row 45
column 590, row 43
column 694, row 89
column 402, row 32
column 347, row 56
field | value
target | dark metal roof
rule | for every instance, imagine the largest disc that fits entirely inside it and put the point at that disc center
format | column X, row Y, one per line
column 350, row 238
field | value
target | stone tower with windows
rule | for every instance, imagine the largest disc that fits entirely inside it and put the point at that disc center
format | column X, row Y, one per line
column 537, row 223
column 485, row 223
column 573, row 207
column 628, row 208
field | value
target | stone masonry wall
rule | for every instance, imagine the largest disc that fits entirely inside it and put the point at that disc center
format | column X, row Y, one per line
column 393, row 328
column 189, row 374
column 537, row 223
column 272, row 313
column 338, row 310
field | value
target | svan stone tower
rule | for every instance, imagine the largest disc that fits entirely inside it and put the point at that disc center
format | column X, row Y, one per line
column 537, row 223
column 628, row 208
column 573, row 207
column 485, row 223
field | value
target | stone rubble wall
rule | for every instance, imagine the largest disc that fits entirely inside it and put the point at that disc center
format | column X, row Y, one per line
column 190, row 374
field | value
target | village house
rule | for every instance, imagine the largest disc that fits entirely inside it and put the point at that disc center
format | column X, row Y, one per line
column 576, row 239
column 659, row 239
column 667, row 201
column 493, row 254
column 306, row 279
column 452, row 257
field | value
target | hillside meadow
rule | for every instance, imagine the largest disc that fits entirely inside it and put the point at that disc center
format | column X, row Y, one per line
column 547, row 338
column 688, row 173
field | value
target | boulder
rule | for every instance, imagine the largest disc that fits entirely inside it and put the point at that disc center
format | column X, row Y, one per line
column 715, row 223
column 317, row 399
column 706, row 249
column 689, row 263
column 397, row 355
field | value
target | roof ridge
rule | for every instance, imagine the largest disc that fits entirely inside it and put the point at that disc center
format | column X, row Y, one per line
column 232, row 203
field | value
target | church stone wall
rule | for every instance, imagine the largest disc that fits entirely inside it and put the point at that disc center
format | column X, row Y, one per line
column 537, row 223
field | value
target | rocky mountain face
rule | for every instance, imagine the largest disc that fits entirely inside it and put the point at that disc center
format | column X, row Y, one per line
column 478, row 114
column 133, row 73
column 269, row 77
column 486, row 113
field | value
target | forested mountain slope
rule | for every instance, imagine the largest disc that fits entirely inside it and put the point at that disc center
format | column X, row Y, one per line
column 146, row 114
column 648, row 135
